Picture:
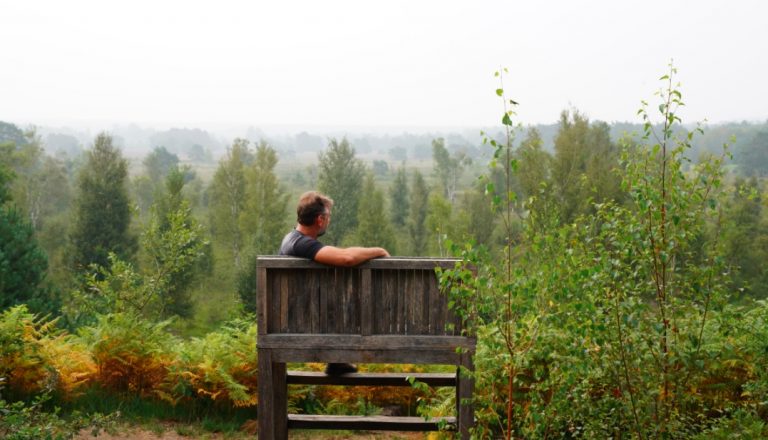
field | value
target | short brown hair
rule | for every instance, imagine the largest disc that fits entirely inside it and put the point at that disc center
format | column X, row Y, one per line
column 312, row 204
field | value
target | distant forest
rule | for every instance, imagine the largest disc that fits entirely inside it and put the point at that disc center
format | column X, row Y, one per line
column 747, row 140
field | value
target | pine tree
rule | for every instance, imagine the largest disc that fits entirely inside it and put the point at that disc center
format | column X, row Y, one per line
column 340, row 178
column 22, row 263
column 102, row 213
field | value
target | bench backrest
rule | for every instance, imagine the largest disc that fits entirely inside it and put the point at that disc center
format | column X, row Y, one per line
column 387, row 296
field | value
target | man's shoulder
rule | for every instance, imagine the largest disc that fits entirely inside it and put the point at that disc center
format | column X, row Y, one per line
column 297, row 244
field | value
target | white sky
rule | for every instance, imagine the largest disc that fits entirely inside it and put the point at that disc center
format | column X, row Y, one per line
column 365, row 63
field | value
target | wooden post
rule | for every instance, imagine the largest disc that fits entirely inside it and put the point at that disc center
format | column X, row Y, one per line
column 273, row 398
column 280, row 402
column 465, row 385
column 266, row 408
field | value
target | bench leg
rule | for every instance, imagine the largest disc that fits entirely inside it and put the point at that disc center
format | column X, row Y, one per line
column 281, row 400
column 273, row 398
column 464, row 388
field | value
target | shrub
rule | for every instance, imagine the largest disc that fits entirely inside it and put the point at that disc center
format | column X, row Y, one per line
column 132, row 355
column 221, row 367
column 22, row 362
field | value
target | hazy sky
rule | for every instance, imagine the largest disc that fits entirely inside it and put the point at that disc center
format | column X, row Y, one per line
column 364, row 63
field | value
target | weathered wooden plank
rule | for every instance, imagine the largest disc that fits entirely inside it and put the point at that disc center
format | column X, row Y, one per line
column 371, row 379
column 396, row 284
column 313, row 290
column 368, row 356
column 351, row 303
column 366, row 303
column 438, row 308
column 425, row 301
column 382, row 300
column 283, row 304
column 377, row 423
column 262, row 299
column 322, row 288
column 327, row 284
column 273, row 312
column 383, row 342
column 276, row 261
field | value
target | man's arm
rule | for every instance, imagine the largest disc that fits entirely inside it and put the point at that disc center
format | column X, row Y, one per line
column 348, row 257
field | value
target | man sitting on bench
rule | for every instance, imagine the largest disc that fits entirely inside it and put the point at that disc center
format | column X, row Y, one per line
column 314, row 216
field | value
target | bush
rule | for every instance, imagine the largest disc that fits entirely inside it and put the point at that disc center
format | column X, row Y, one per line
column 221, row 367
column 22, row 421
column 22, row 362
column 132, row 355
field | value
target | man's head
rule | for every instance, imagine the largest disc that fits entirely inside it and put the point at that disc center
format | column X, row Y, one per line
column 314, row 209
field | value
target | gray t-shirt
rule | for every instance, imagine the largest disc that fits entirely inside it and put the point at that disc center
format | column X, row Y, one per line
column 297, row 244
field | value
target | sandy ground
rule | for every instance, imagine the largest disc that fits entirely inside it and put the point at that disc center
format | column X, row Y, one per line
column 179, row 432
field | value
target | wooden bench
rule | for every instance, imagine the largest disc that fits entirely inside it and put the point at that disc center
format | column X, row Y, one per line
column 387, row 310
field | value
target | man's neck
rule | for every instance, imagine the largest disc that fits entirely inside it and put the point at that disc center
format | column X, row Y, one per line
column 309, row 231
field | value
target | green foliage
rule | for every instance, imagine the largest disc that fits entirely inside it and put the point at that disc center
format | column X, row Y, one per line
column 341, row 177
column 6, row 175
column 373, row 228
column 30, row 421
column 438, row 223
column 584, row 166
column 745, row 238
column 227, row 199
column 616, row 322
column 158, row 163
column 753, row 155
column 23, row 266
column 11, row 134
column 448, row 168
column 535, row 166
column 221, row 367
column 21, row 359
column 475, row 219
column 102, row 213
column 263, row 219
column 417, row 214
column 132, row 354
column 175, row 251
column 740, row 425
column 398, row 196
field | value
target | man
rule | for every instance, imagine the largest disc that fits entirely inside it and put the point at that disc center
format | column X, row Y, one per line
column 314, row 216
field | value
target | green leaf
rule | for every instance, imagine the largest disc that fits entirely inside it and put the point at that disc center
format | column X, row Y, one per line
column 506, row 120
column 499, row 92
